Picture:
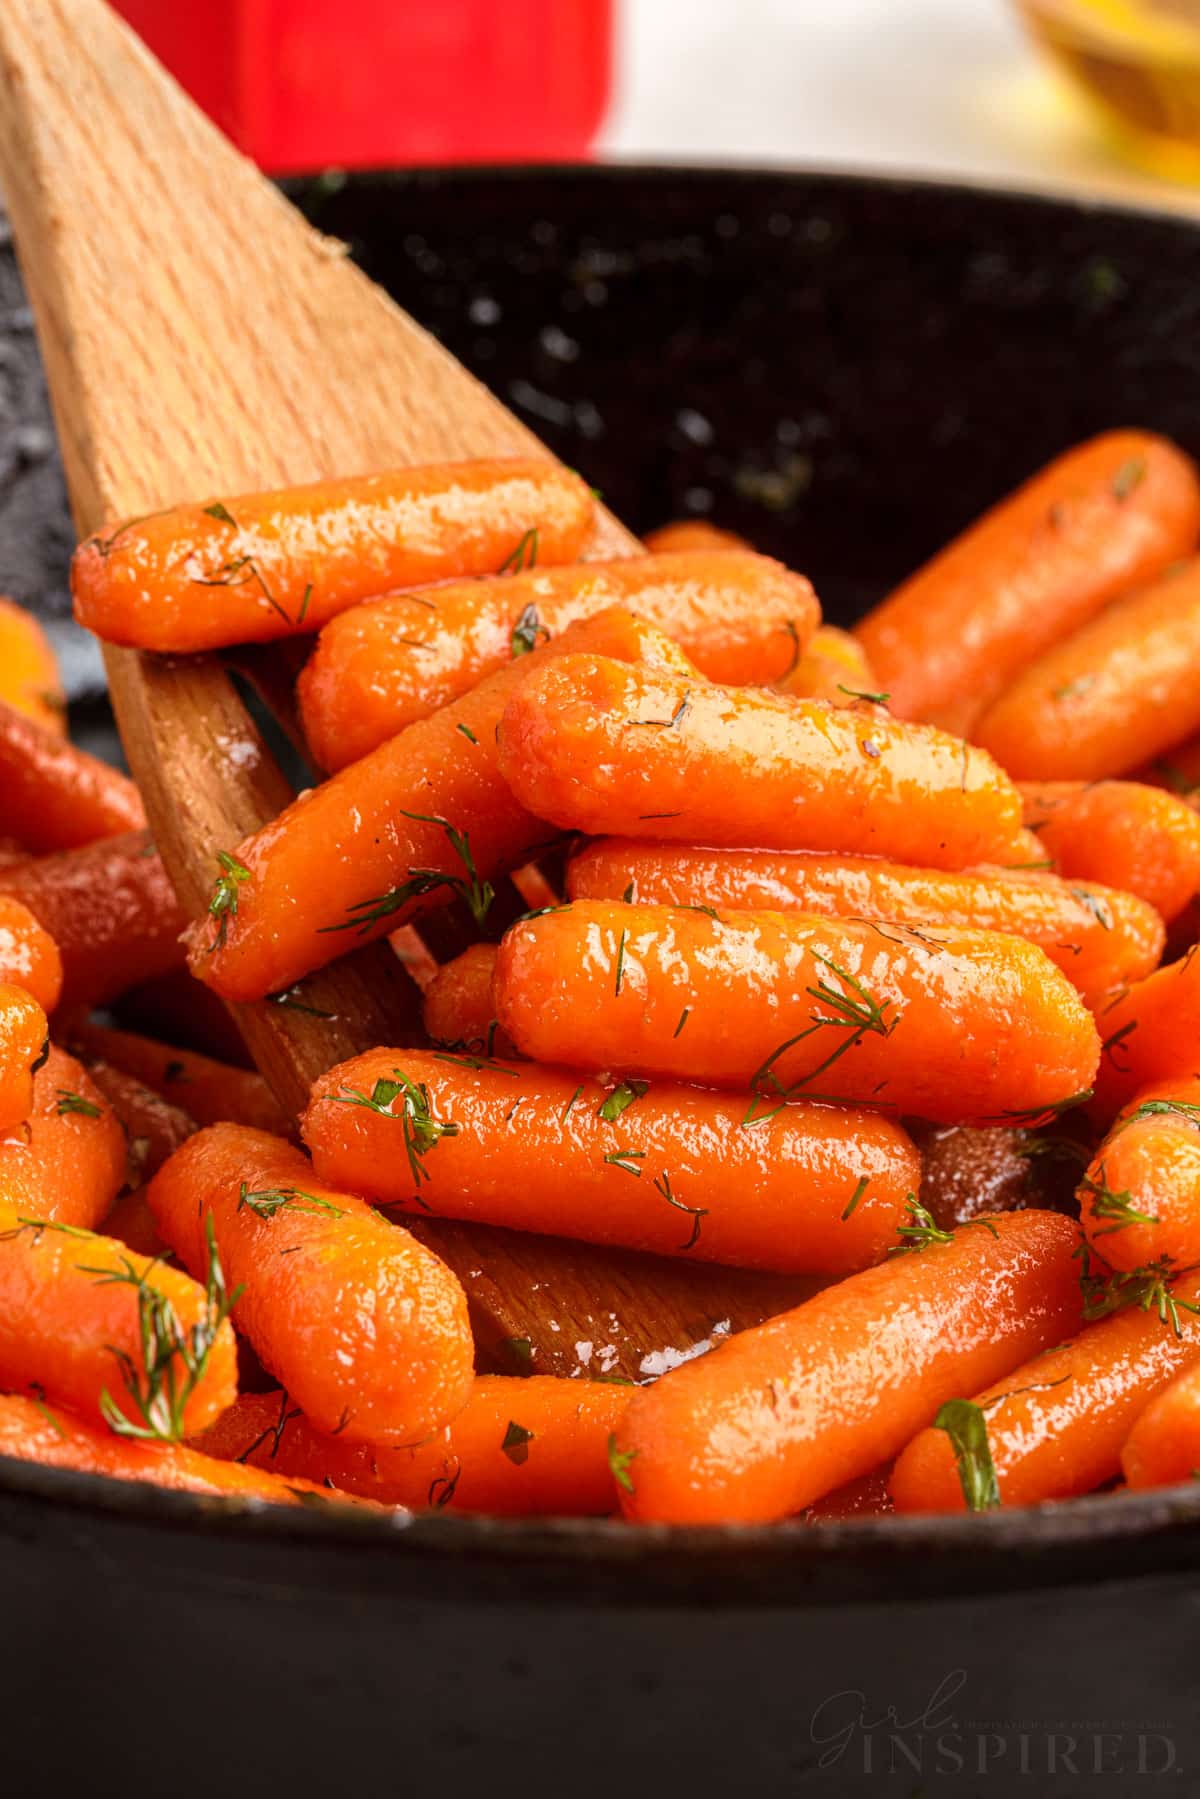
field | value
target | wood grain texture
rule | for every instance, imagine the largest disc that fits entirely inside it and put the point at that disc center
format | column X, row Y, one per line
column 199, row 337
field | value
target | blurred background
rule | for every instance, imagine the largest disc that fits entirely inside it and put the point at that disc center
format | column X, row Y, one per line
column 1111, row 102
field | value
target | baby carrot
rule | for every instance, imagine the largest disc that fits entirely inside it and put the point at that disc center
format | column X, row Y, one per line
column 153, row 1127
column 422, row 819
column 833, row 668
column 116, row 1337
column 1178, row 770
column 1148, row 1032
column 594, row 745
column 266, row 565
column 1163, row 1448
column 655, row 1166
column 29, row 677
column 1102, row 518
column 29, row 956
column 1055, row 1425
column 519, row 1447
column 67, row 1159
column 952, row 1026
column 459, row 1012
column 1095, row 935
column 789, row 1410
column 24, row 1039
column 130, row 1220
column 209, row 1092
column 1139, row 1201
column 365, row 1326
column 1117, row 693
column 1123, row 833
column 692, row 534
column 54, row 796
column 32, row 1431
column 377, row 668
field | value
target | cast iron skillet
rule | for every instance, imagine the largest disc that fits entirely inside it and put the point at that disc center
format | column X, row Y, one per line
column 845, row 369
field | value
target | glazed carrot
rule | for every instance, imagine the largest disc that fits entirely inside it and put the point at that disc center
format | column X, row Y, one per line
column 1139, row 1201
column 1095, row 935
column 116, row 1337
column 1056, row 1424
column 1178, row 770
column 519, row 1447
column 459, row 1012
column 29, row 956
column 29, row 677
column 153, row 1127
column 24, row 1037
column 67, row 1159
column 1163, row 1447
column 54, row 796
column 654, row 1166
column 377, row 668
column 867, row 1497
column 1121, row 833
column 111, row 910
column 209, row 1092
column 423, row 818
column 597, row 746
column 785, row 1412
column 1117, row 693
column 130, row 1220
column 833, row 668
column 267, row 565
column 692, row 534
column 1100, row 519
column 32, row 1431
column 1148, row 1032
column 954, row 1026
column 367, row 1329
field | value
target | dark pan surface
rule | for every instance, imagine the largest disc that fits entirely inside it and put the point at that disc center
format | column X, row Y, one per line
column 846, row 370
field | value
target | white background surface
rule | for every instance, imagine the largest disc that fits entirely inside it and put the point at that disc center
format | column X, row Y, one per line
column 934, row 86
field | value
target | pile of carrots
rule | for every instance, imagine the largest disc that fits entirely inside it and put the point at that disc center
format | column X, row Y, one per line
column 811, row 912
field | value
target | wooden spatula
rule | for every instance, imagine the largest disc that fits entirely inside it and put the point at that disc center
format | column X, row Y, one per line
column 200, row 337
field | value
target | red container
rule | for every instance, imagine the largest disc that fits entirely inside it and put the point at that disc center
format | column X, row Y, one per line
column 305, row 84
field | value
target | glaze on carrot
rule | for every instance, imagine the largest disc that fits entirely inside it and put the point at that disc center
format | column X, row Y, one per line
column 1117, row 693
column 1102, row 518
column 1139, row 1201
column 597, row 746
column 1149, row 1032
column 459, row 1012
column 120, row 1339
column 29, row 677
column 645, row 1165
column 381, row 666
column 1121, row 833
column 833, row 668
column 787, row 1411
column 952, row 1026
column 1097, row 936
column 111, row 910
column 1163, row 1448
column 54, row 796
column 266, row 565
column 1055, row 1425
column 209, row 1092
column 29, row 956
column 367, row 1329
column 520, row 1447
column 24, row 1039
column 67, row 1159
column 424, row 818
column 33, row 1431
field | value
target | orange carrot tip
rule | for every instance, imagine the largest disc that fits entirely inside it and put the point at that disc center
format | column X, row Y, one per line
column 692, row 534
column 1123, row 834
column 24, row 1040
column 54, row 796
column 366, row 1327
column 597, row 746
column 1163, row 1447
column 29, row 956
column 1148, row 1033
column 950, row 1025
column 1140, row 1198
column 120, row 1338
column 69, row 1157
column 786, row 1412
column 266, row 565
column 834, row 668
column 459, row 1011
column 519, row 1447
column 795, row 1188
column 29, row 676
